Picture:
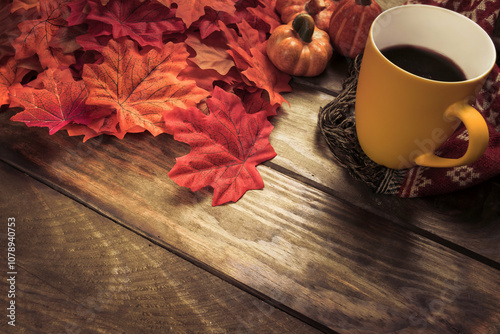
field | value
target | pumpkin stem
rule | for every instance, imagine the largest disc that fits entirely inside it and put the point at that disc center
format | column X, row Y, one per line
column 303, row 24
column 363, row 2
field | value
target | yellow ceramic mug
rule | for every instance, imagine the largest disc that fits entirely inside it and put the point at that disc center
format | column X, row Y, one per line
column 401, row 118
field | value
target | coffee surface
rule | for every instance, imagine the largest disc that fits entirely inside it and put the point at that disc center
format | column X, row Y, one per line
column 424, row 62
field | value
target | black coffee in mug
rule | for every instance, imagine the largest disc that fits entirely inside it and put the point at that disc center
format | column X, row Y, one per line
column 424, row 62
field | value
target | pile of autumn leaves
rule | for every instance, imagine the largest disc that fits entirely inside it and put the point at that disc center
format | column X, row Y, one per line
column 196, row 69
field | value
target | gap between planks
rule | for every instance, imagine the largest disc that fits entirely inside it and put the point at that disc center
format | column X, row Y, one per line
column 153, row 234
column 156, row 240
column 307, row 83
column 411, row 228
column 244, row 287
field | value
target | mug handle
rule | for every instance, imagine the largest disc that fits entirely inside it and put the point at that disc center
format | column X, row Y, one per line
column 478, row 138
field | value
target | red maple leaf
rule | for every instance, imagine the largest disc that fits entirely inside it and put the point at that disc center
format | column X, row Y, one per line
column 226, row 147
column 191, row 10
column 36, row 35
column 143, row 21
column 249, row 56
column 141, row 87
column 61, row 101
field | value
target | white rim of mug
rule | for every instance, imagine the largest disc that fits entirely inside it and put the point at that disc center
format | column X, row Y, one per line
column 403, row 7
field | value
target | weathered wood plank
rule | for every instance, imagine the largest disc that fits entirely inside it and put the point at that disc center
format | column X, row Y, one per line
column 78, row 272
column 469, row 218
column 338, row 264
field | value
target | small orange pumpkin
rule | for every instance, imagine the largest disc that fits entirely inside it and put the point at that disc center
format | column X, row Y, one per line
column 320, row 10
column 350, row 24
column 297, row 48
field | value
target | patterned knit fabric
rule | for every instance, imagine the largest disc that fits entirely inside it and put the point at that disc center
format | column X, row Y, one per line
column 423, row 181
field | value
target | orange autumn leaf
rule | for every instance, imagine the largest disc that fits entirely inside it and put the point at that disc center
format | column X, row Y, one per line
column 263, row 74
column 141, row 87
column 36, row 35
column 191, row 10
column 10, row 74
column 101, row 126
column 211, row 53
column 25, row 4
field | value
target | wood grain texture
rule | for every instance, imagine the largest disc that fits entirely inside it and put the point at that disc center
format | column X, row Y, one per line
column 468, row 218
column 314, row 242
column 315, row 253
column 81, row 273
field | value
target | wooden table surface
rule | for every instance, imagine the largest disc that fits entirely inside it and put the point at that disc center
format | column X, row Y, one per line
column 105, row 242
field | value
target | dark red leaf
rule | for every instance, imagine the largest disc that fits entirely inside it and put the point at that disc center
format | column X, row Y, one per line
column 79, row 10
column 209, row 22
column 92, row 43
column 66, row 39
column 254, row 102
column 258, row 14
column 143, row 21
column 241, row 45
